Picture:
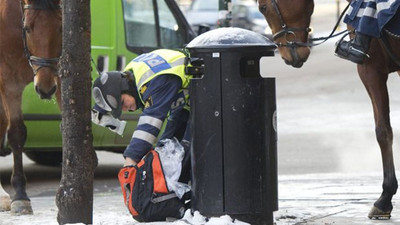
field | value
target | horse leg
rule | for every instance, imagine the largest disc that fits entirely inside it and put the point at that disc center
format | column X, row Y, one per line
column 375, row 83
column 3, row 126
column 17, row 136
column 5, row 200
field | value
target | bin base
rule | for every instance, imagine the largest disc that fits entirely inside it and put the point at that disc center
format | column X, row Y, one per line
column 255, row 219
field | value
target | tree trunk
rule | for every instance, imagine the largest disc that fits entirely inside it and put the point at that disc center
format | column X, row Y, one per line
column 75, row 194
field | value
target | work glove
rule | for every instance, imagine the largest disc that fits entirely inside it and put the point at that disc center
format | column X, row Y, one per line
column 106, row 120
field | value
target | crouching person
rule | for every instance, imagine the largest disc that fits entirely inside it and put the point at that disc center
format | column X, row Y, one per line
column 156, row 83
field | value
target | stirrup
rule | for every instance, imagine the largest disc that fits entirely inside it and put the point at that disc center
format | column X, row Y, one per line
column 345, row 50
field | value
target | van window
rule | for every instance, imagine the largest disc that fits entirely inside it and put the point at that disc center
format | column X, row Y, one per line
column 170, row 32
column 140, row 25
column 146, row 27
column 205, row 5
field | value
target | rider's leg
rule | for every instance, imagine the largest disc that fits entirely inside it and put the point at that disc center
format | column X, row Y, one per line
column 355, row 50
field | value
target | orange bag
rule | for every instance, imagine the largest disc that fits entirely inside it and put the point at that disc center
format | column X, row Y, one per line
column 146, row 193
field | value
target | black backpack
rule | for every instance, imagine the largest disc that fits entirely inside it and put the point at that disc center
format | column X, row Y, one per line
column 146, row 192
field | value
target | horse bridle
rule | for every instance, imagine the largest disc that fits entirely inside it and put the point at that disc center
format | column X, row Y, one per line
column 285, row 31
column 288, row 30
column 37, row 61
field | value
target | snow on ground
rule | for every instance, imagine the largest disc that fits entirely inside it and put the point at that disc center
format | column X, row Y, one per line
column 108, row 210
column 343, row 199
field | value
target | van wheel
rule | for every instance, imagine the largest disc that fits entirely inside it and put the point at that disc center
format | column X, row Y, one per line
column 46, row 158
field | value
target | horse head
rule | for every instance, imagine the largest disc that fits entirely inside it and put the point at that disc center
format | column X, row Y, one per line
column 42, row 37
column 289, row 21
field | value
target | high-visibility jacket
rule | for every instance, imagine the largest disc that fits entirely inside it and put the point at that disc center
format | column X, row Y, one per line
column 147, row 66
column 161, row 82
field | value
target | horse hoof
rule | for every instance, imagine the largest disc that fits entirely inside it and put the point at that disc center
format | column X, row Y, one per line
column 5, row 203
column 21, row 207
column 377, row 214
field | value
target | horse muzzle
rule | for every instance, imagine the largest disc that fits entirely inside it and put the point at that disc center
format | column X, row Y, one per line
column 296, row 64
column 294, row 55
column 45, row 95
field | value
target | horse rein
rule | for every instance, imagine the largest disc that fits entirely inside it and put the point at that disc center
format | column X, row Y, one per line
column 291, row 31
column 35, row 62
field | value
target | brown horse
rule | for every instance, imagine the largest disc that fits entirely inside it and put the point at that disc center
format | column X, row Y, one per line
column 290, row 27
column 30, row 45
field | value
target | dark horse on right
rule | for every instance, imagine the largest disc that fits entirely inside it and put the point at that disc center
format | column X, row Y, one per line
column 289, row 21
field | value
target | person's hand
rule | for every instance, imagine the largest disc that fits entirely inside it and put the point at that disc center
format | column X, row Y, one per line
column 105, row 120
column 129, row 162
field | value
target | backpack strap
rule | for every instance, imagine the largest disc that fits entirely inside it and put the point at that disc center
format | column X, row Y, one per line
column 164, row 198
column 160, row 184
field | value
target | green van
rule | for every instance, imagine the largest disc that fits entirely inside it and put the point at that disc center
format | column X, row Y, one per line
column 121, row 29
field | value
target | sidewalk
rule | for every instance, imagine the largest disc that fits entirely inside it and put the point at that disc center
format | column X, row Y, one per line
column 329, row 199
column 316, row 199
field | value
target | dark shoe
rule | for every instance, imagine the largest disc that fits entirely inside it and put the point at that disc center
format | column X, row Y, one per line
column 354, row 50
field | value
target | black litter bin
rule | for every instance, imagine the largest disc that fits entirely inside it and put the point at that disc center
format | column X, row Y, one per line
column 233, row 116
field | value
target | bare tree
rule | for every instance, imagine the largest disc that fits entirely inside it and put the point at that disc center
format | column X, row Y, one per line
column 75, row 195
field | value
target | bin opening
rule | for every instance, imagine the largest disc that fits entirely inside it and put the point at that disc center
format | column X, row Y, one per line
column 250, row 67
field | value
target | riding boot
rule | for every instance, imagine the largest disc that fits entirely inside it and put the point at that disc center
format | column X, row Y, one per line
column 354, row 50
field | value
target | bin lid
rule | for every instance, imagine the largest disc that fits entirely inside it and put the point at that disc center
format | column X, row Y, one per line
column 231, row 37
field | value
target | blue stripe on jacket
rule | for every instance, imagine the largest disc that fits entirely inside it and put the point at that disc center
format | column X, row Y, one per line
column 370, row 16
